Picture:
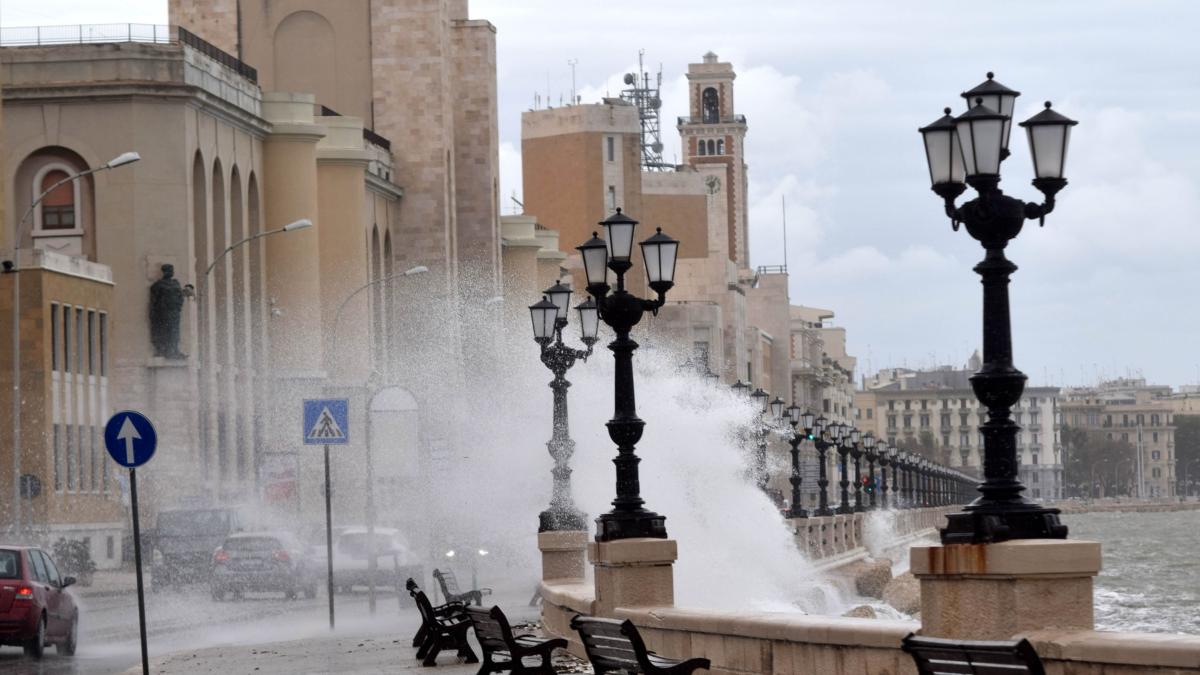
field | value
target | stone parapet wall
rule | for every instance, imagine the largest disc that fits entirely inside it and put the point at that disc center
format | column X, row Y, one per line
column 842, row 537
column 798, row 644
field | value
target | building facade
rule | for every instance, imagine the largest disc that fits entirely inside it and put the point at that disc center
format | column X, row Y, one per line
column 935, row 413
column 1133, row 412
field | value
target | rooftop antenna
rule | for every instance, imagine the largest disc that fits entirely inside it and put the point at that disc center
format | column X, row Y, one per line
column 783, row 207
column 573, row 63
column 647, row 98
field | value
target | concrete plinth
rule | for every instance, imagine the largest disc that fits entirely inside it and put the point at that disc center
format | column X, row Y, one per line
column 563, row 554
column 633, row 573
column 999, row 591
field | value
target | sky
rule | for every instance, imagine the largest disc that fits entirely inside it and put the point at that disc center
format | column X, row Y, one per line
column 834, row 94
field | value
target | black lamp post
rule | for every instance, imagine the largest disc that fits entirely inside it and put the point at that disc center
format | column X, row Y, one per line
column 856, row 451
column 799, row 420
column 885, row 458
column 761, row 401
column 968, row 150
column 868, row 443
column 549, row 318
column 842, row 438
column 621, row 310
column 821, row 430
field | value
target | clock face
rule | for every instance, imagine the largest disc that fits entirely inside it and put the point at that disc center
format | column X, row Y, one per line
column 714, row 184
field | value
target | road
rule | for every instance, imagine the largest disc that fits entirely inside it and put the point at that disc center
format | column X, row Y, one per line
column 191, row 619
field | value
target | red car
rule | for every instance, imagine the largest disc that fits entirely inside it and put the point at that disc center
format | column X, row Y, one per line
column 35, row 608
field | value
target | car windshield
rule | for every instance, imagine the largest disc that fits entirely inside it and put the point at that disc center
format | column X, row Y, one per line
column 184, row 523
column 10, row 567
column 247, row 544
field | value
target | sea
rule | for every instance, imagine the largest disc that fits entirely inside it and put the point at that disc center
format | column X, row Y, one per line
column 1150, row 581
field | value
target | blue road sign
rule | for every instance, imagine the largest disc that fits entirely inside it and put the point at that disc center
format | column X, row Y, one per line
column 130, row 439
column 327, row 421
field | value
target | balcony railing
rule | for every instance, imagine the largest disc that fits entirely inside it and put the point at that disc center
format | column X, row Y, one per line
column 35, row 36
column 96, row 33
column 728, row 119
column 368, row 135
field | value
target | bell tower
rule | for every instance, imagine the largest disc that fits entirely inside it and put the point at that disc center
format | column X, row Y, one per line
column 712, row 137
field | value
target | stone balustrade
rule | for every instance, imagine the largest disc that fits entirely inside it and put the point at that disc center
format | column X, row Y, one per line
column 841, row 538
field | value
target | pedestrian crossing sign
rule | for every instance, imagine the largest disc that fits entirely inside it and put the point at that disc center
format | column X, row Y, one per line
column 327, row 421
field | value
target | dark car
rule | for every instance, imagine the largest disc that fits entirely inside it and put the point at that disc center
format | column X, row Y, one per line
column 184, row 540
column 35, row 608
column 256, row 562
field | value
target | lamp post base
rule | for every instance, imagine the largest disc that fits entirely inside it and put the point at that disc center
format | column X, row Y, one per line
column 634, row 524
column 992, row 524
column 797, row 513
column 559, row 520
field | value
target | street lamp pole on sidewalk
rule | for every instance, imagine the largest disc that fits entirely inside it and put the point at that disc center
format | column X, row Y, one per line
column 119, row 160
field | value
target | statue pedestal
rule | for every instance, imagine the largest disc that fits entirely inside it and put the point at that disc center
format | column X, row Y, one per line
column 998, row 591
column 633, row 573
column 563, row 554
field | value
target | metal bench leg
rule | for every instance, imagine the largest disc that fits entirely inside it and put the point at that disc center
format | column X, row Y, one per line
column 426, row 645
column 464, row 648
column 430, row 659
column 419, row 638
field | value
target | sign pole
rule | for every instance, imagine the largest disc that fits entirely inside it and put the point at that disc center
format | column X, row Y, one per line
column 328, row 536
column 137, row 559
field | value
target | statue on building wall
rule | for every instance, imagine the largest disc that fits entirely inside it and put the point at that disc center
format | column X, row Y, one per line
column 166, row 312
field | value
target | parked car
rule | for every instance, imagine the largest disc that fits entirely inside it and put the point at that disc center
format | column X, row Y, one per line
column 184, row 540
column 35, row 607
column 254, row 562
column 394, row 559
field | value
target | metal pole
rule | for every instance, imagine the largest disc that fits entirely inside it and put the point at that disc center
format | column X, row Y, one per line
column 329, row 536
column 137, row 561
column 372, row 565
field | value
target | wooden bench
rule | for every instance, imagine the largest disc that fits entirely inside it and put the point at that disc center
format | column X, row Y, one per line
column 613, row 645
column 443, row 611
column 442, row 632
column 496, row 639
column 938, row 656
column 451, row 592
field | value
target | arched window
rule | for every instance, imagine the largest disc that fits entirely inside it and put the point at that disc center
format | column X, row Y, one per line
column 721, row 146
column 712, row 147
column 710, row 109
column 703, row 147
column 58, row 207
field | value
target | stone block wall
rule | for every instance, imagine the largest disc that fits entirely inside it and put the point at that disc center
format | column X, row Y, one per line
column 213, row 20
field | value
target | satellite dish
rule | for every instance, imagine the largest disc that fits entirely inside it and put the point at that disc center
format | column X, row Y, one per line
column 629, row 78
column 656, row 103
column 657, row 147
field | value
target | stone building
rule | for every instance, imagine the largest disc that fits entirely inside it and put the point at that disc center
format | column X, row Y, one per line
column 418, row 72
column 222, row 162
column 936, row 413
column 1133, row 412
column 69, row 488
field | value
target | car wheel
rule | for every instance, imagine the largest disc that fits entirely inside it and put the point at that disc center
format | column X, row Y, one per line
column 36, row 646
column 67, row 647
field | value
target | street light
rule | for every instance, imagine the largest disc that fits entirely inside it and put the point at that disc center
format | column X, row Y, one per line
column 549, row 318
column 823, row 441
column 302, row 224
column 622, row 311
column 886, row 454
column 868, row 443
column 118, row 161
column 337, row 315
column 842, row 439
column 856, row 451
column 799, row 420
column 762, row 404
column 1001, row 513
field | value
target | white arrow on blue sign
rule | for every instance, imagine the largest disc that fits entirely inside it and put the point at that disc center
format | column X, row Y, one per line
column 130, row 439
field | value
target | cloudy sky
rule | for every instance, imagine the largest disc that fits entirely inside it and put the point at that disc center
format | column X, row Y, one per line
column 834, row 93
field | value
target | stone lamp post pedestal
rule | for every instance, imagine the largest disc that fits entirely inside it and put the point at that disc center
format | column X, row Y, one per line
column 633, row 573
column 563, row 554
column 1000, row 591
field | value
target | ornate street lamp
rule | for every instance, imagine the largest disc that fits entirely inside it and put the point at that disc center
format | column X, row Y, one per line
column 868, row 443
column 856, row 451
column 549, row 318
column 885, row 458
column 740, row 388
column 842, row 436
column 621, row 310
column 799, row 420
column 1000, row 513
column 822, row 441
column 762, row 404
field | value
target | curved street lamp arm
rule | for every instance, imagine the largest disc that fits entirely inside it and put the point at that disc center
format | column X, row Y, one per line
column 337, row 315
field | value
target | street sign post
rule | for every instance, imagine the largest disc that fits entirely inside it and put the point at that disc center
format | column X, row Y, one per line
column 326, row 423
column 131, row 440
